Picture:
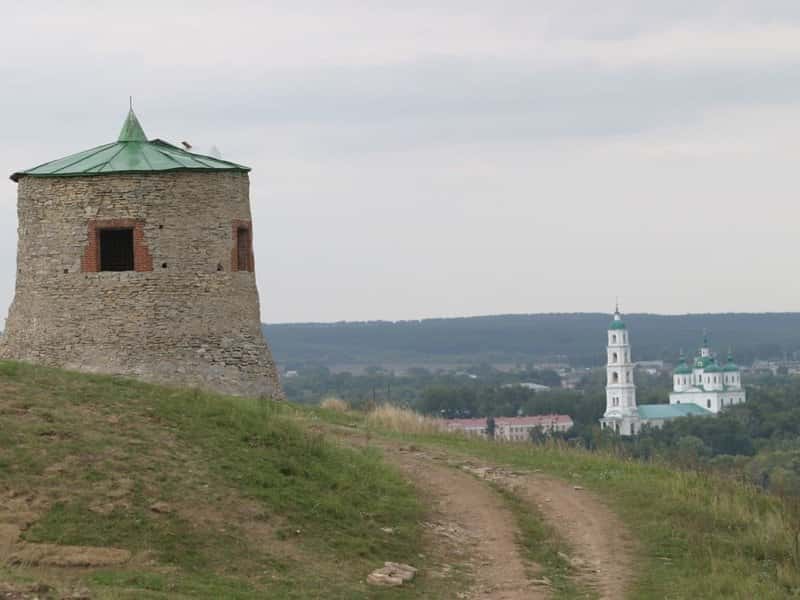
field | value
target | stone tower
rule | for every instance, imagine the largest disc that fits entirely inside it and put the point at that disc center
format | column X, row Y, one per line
column 135, row 258
column 621, row 410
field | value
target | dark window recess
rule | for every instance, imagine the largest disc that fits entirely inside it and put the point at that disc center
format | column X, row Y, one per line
column 116, row 249
column 243, row 249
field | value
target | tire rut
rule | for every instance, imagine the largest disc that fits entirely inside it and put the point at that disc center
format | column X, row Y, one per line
column 603, row 549
column 466, row 504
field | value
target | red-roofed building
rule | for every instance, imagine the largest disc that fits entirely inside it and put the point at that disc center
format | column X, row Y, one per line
column 516, row 429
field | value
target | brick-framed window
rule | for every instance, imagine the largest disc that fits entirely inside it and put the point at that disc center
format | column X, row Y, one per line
column 242, row 258
column 107, row 246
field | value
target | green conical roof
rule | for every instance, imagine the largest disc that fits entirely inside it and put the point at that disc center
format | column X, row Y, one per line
column 132, row 130
column 131, row 153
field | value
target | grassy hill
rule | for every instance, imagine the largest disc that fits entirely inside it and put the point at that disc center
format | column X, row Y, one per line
column 137, row 491
column 523, row 338
column 255, row 499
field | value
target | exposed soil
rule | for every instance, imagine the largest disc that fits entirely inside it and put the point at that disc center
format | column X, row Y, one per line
column 597, row 534
column 468, row 513
column 602, row 547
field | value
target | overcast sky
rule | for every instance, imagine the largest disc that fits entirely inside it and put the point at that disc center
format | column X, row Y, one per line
column 449, row 157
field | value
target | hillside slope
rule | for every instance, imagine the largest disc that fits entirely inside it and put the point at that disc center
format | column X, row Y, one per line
column 178, row 494
column 523, row 338
column 134, row 491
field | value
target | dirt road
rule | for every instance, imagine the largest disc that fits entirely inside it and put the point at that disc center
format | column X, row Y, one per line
column 602, row 549
column 468, row 510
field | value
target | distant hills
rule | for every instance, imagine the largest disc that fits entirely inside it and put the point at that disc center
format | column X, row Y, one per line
column 578, row 337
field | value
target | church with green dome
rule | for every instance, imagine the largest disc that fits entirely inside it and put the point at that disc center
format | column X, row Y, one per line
column 701, row 388
column 706, row 382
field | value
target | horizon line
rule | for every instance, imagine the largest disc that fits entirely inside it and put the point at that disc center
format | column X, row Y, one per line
column 535, row 314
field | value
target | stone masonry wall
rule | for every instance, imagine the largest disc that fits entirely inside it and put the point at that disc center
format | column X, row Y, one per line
column 183, row 317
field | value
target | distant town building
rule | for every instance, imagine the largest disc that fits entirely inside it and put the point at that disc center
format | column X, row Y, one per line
column 776, row 367
column 700, row 391
column 651, row 367
column 536, row 387
column 515, row 429
column 573, row 379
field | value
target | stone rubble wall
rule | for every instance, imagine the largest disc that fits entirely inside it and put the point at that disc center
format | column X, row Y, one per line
column 190, row 321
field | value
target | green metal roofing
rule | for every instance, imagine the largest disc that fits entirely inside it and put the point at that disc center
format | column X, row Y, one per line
column 131, row 129
column 131, row 153
column 617, row 323
column 730, row 366
column 702, row 362
column 670, row 411
column 683, row 369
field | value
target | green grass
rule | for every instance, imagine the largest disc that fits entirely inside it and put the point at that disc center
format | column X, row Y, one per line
column 263, row 505
column 701, row 536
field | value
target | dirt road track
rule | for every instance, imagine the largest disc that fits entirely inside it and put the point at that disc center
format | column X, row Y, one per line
column 603, row 550
column 463, row 503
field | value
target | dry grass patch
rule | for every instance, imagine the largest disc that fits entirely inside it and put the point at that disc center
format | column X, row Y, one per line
column 403, row 420
column 335, row 404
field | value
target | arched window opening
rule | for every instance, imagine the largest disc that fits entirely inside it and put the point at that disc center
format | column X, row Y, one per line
column 614, row 338
column 708, row 403
column 614, row 357
column 614, row 377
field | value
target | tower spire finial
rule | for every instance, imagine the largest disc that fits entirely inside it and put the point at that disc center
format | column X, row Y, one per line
column 131, row 129
column 616, row 305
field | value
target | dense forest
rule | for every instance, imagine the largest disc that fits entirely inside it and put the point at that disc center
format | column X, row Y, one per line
column 521, row 339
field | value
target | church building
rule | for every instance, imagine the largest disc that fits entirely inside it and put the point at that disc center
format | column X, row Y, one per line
column 707, row 383
column 625, row 417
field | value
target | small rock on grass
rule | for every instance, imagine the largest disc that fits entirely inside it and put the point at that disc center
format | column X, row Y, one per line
column 161, row 508
column 392, row 574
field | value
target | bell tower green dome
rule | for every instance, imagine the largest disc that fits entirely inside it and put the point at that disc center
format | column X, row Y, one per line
column 617, row 323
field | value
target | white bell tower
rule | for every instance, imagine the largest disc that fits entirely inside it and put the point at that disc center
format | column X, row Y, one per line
column 621, row 409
